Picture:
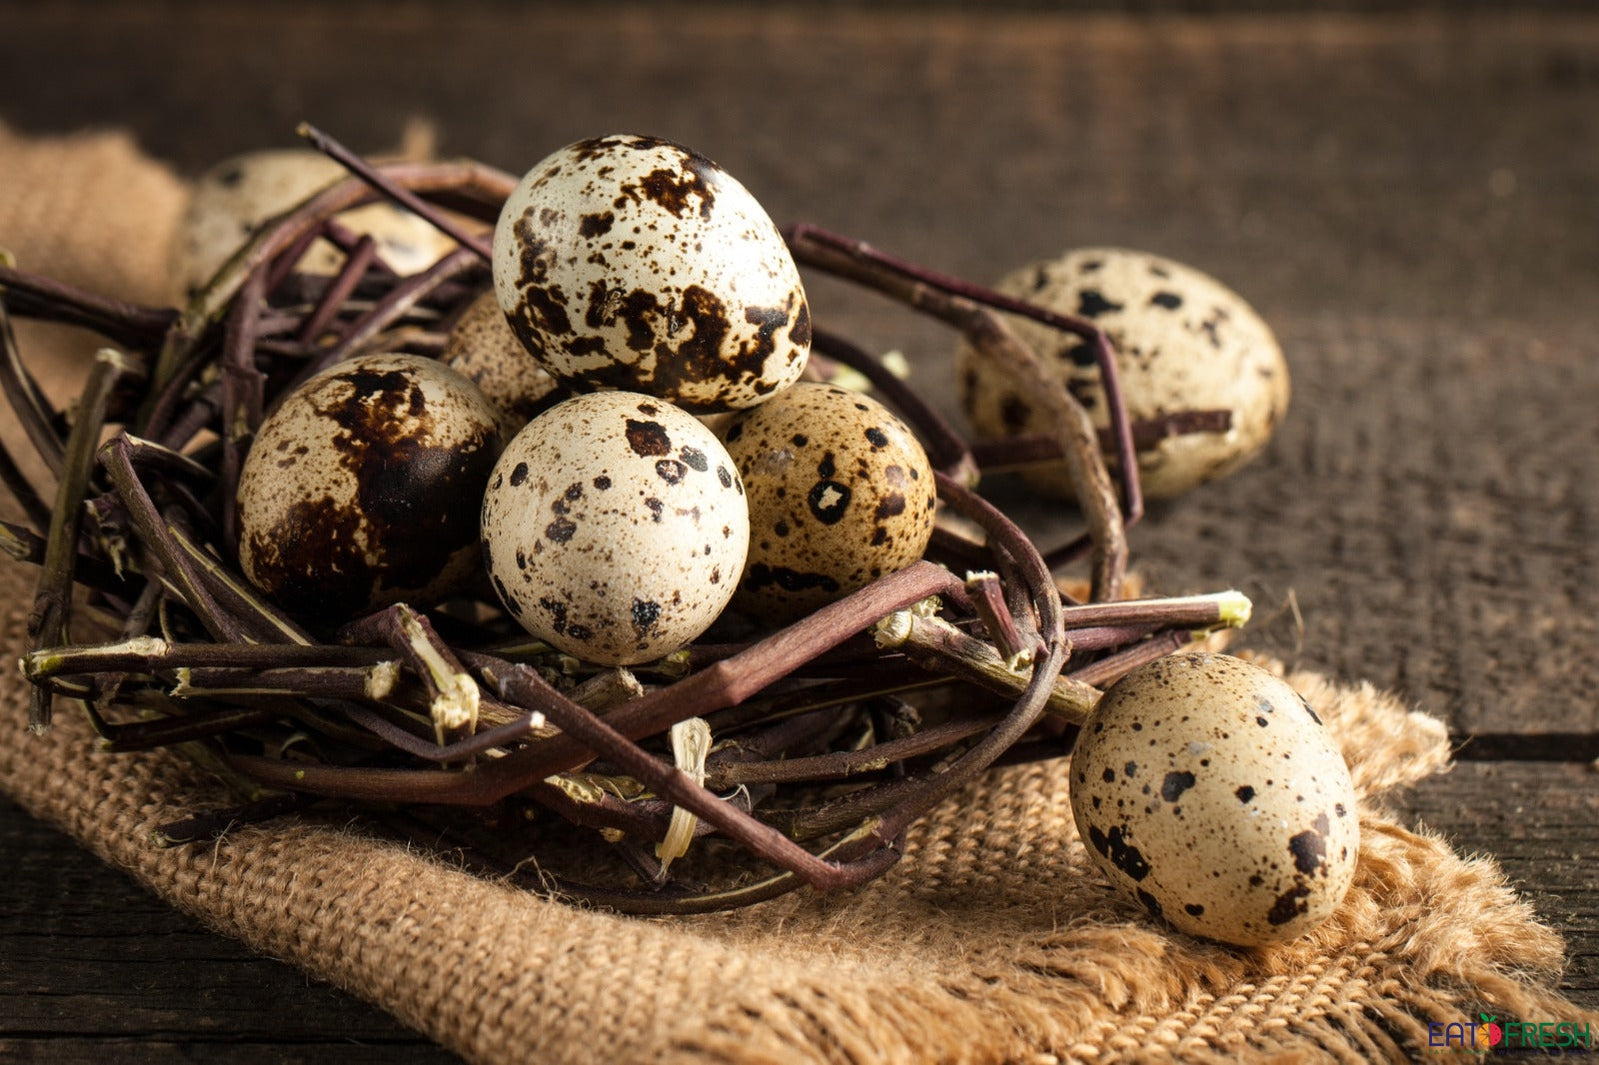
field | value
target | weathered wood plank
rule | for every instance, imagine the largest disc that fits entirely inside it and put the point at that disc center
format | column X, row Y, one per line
column 1540, row 821
column 91, row 965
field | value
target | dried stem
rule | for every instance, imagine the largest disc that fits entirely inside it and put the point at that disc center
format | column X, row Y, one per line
column 1111, row 668
column 1217, row 609
column 152, row 654
column 27, row 400
column 52, row 605
column 1019, row 452
column 468, row 184
column 355, row 266
column 129, row 325
column 176, row 563
column 841, row 765
column 673, row 784
column 453, row 695
column 185, row 728
column 394, row 191
column 16, row 482
column 939, row 646
column 395, row 305
column 989, row 598
column 24, row 545
column 1104, row 356
column 724, row 684
column 952, row 302
column 243, row 396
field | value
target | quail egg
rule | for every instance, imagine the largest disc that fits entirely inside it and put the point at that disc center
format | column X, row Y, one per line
column 361, row 489
column 632, row 263
column 483, row 348
column 1207, row 789
column 1183, row 342
column 614, row 527
column 840, row 493
column 232, row 199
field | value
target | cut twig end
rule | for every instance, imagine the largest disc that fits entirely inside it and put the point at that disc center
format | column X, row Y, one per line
column 1234, row 608
column 691, row 743
column 381, row 679
column 893, row 630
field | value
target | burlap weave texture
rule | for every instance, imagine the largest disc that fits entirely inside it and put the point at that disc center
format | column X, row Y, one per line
column 991, row 941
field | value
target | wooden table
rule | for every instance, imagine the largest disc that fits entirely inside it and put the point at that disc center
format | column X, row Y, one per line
column 1411, row 201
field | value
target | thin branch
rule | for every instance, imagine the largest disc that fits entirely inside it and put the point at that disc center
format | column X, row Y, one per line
column 52, row 604
column 394, row 191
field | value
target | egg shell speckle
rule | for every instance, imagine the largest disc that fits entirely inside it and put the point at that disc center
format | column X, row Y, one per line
column 482, row 348
column 615, row 528
column 361, row 489
column 632, row 263
column 1207, row 789
column 1183, row 342
column 840, row 493
column 232, row 199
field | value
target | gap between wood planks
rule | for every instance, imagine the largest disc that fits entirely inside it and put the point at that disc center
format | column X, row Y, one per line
column 1525, row 746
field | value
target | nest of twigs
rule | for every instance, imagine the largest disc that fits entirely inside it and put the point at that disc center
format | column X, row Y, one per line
column 761, row 760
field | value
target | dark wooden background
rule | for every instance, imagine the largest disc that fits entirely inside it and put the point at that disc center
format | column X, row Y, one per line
column 1411, row 198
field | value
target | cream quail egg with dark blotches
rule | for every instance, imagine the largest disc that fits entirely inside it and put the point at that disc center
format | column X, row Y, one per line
column 362, row 488
column 614, row 527
column 627, row 262
column 1183, row 342
column 840, row 493
column 1206, row 788
column 482, row 347
column 232, row 199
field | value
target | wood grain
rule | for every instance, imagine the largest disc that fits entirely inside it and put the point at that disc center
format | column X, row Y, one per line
column 1409, row 199
column 93, row 966
column 1540, row 821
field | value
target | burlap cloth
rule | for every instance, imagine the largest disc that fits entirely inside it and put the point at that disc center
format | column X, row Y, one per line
column 992, row 941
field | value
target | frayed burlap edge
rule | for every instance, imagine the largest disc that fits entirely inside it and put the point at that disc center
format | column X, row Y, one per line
column 992, row 941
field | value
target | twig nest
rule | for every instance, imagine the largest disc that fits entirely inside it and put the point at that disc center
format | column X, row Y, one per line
column 615, row 527
column 482, row 348
column 840, row 493
column 631, row 263
column 361, row 489
column 234, row 198
column 1207, row 789
column 1183, row 341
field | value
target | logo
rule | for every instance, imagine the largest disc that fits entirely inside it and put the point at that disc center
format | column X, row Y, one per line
column 1489, row 1035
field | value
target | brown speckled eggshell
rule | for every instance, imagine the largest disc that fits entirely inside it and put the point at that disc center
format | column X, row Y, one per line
column 840, row 493
column 614, row 527
column 632, row 263
column 1183, row 342
column 1206, row 788
column 361, row 489
column 482, row 348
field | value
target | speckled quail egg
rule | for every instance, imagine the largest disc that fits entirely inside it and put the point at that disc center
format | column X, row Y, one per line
column 483, row 348
column 614, row 527
column 362, row 488
column 232, row 199
column 632, row 263
column 1183, row 341
column 840, row 493
column 1206, row 788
